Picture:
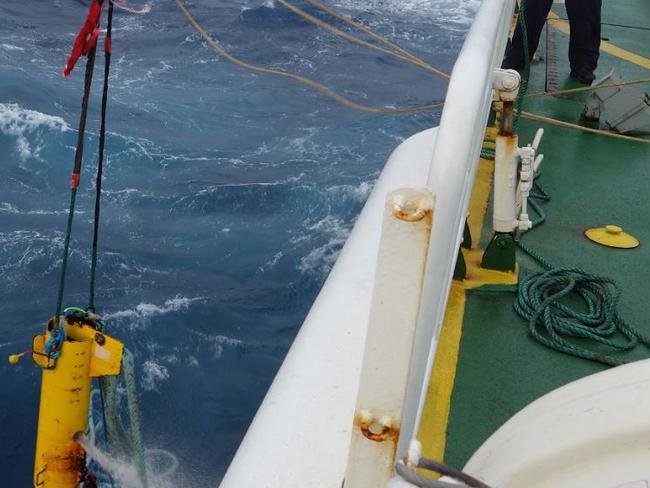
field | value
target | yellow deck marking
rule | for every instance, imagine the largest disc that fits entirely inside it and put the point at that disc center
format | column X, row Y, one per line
column 435, row 415
column 609, row 48
column 433, row 427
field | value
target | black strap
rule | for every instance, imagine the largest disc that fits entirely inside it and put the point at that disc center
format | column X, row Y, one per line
column 88, row 78
column 100, row 163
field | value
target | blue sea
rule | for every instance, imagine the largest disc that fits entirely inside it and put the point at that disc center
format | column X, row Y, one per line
column 227, row 196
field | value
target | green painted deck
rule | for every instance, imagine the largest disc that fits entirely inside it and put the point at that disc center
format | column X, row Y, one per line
column 593, row 181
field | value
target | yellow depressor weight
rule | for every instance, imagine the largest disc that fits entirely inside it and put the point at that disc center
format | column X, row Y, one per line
column 65, row 399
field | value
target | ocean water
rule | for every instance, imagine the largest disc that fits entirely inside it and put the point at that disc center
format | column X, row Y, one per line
column 227, row 196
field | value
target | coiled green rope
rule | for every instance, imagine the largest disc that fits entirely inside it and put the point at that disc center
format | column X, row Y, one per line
column 541, row 300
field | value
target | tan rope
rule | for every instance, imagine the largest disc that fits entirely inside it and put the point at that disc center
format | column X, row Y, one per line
column 301, row 79
column 374, row 35
column 383, row 110
column 568, row 125
column 324, row 25
column 588, row 88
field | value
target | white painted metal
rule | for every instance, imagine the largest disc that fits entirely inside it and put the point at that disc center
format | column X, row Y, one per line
column 301, row 434
column 389, row 341
column 506, row 84
column 504, row 213
column 594, row 432
column 530, row 162
column 451, row 177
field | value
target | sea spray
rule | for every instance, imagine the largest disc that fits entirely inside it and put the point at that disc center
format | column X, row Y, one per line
column 124, row 473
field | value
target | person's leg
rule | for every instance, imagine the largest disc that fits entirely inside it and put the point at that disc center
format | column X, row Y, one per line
column 584, row 42
column 535, row 12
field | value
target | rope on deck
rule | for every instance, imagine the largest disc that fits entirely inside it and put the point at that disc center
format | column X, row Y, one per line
column 542, row 300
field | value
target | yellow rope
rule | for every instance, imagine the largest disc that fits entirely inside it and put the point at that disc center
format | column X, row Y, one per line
column 365, row 30
column 406, row 56
column 355, row 40
column 588, row 88
column 301, row 79
column 568, row 125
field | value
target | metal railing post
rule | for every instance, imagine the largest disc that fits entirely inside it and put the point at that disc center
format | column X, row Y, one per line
column 403, row 247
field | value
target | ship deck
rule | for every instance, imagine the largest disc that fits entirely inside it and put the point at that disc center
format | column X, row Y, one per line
column 488, row 366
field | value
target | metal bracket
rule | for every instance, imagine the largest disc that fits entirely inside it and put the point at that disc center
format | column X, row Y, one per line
column 621, row 108
column 506, row 84
column 530, row 162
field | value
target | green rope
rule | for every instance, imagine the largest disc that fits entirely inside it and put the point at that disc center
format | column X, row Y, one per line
column 487, row 153
column 526, row 73
column 540, row 301
column 137, row 452
column 127, row 444
column 64, row 263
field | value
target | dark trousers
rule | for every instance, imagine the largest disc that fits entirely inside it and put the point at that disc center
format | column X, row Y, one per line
column 584, row 42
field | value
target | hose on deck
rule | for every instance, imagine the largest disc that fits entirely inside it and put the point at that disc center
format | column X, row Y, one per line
column 410, row 475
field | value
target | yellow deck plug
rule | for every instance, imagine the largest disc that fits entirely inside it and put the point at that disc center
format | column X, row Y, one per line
column 612, row 236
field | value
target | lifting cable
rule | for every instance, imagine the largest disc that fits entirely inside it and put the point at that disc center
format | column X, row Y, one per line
column 89, row 50
column 214, row 44
column 108, row 46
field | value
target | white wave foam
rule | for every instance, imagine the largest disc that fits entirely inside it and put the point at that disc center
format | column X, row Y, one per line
column 153, row 374
column 29, row 247
column 123, row 5
column 457, row 11
column 271, row 262
column 20, row 122
column 8, row 208
column 11, row 47
column 359, row 192
column 218, row 342
column 321, row 259
column 143, row 312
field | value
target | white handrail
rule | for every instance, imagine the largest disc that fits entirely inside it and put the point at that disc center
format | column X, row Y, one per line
column 301, row 434
column 451, row 176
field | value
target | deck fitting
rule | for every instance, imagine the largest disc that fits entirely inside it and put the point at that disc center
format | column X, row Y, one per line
column 612, row 236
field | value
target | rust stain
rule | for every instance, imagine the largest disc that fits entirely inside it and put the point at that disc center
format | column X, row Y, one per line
column 387, row 432
column 410, row 214
column 69, row 465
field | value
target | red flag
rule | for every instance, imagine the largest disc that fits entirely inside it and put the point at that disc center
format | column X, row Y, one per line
column 86, row 40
